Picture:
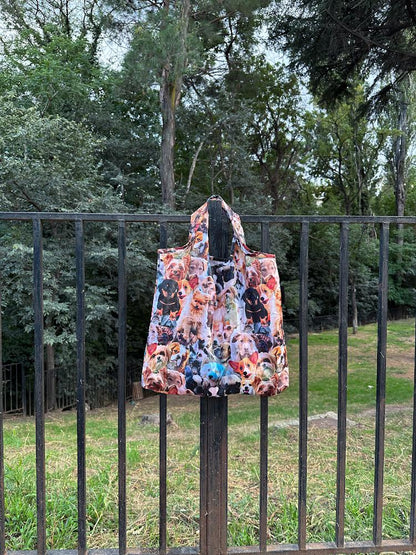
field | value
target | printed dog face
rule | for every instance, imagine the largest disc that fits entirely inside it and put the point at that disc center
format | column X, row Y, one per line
column 265, row 295
column 246, row 386
column 158, row 357
column 245, row 367
column 208, row 287
column 265, row 388
column 252, row 276
column 175, row 269
column 184, row 289
column 168, row 302
column 154, row 381
column 268, row 267
column 176, row 379
column 242, row 345
column 282, row 381
column 280, row 353
column 197, row 266
column 227, row 332
column 222, row 352
column 198, row 303
column 168, row 288
column 266, row 366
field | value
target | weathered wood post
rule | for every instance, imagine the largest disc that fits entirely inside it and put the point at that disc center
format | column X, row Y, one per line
column 213, row 428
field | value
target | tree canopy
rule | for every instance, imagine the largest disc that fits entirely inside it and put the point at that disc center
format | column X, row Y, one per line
column 337, row 40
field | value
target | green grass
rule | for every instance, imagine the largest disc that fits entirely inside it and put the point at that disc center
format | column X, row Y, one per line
column 243, row 475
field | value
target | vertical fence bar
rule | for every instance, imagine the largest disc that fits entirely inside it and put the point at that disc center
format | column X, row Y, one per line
column 163, row 442
column 80, row 332
column 342, row 386
column 39, row 385
column 413, row 487
column 2, row 517
column 213, row 430
column 264, row 435
column 122, row 356
column 303, row 383
column 381, row 385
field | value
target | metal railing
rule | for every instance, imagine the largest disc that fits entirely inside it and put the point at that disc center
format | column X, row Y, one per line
column 213, row 411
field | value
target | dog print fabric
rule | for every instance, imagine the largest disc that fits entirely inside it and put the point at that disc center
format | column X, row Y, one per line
column 216, row 326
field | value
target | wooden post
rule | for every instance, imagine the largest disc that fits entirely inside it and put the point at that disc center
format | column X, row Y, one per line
column 213, row 429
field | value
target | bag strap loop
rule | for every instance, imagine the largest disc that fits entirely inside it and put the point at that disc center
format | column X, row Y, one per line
column 198, row 231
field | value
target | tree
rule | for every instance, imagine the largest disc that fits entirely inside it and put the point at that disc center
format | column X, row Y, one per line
column 49, row 164
column 344, row 149
column 336, row 40
column 179, row 49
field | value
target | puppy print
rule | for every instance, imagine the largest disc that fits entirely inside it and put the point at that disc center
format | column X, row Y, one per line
column 242, row 346
column 263, row 342
column 164, row 335
column 266, row 366
column 197, row 266
column 153, row 333
column 184, row 289
column 265, row 388
column 245, row 367
column 222, row 352
column 175, row 268
column 156, row 382
column 252, row 276
column 223, row 273
column 168, row 301
column 208, row 287
column 246, row 386
column 213, row 371
column 157, row 357
column 154, row 373
column 268, row 272
column 230, row 383
column 176, row 382
column 279, row 353
column 179, row 357
column 282, row 380
column 192, row 317
column 254, row 308
column 200, row 246
column 265, row 294
column 227, row 332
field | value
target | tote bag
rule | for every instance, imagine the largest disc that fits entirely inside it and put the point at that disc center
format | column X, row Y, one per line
column 216, row 326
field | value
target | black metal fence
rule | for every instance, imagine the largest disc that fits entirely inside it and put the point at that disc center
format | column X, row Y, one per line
column 213, row 411
column 18, row 389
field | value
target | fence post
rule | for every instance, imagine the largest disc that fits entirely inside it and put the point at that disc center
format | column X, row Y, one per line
column 213, row 430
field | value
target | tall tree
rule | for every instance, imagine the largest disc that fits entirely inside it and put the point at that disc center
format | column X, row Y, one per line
column 335, row 39
column 344, row 148
column 180, row 49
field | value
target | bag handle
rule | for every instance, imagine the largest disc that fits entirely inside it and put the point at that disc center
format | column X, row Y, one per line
column 198, row 231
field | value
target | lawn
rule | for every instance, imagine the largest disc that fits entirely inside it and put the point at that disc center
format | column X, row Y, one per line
column 183, row 458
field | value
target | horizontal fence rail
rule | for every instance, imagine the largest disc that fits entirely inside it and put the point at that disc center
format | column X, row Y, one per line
column 213, row 415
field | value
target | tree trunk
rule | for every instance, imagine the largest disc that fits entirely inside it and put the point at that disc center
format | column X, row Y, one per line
column 167, row 176
column 169, row 97
column 354, row 305
column 400, row 152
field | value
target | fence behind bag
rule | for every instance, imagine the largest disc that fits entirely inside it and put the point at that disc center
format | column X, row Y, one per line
column 213, row 471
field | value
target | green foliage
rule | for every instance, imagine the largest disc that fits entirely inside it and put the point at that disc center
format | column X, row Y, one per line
column 338, row 40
